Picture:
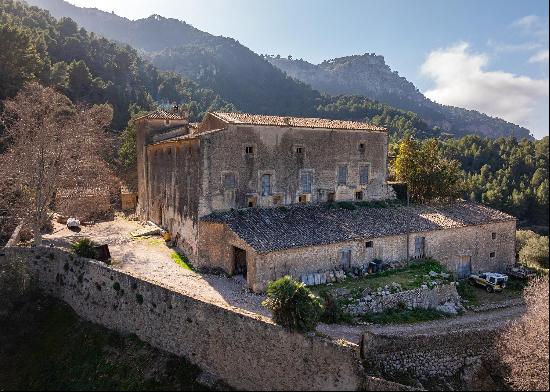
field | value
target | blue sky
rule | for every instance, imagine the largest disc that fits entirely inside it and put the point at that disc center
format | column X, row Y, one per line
column 489, row 55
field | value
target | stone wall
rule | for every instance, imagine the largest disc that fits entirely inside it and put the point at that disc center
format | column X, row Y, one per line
column 174, row 189
column 464, row 359
column 422, row 298
column 245, row 350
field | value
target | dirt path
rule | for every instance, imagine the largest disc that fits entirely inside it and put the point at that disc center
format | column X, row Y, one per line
column 469, row 320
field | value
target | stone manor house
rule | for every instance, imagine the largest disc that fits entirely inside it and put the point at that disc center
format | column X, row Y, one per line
column 257, row 195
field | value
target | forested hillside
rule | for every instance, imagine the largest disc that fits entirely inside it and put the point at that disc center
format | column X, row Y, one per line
column 85, row 67
column 88, row 68
column 505, row 173
column 254, row 85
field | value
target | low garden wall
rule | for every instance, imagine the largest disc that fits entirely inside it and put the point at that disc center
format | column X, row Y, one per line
column 444, row 298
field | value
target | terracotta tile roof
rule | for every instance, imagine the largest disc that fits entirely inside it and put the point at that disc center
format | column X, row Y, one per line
column 271, row 229
column 258, row 119
column 160, row 114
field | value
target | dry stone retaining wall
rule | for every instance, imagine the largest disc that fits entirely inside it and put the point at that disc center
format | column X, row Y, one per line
column 462, row 359
column 423, row 298
column 245, row 350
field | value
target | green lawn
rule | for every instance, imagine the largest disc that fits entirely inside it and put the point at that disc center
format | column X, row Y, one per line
column 410, row 277
column 181, row 260
column 403, row 316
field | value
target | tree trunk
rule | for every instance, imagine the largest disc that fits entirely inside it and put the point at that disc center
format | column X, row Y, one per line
column 37, row 232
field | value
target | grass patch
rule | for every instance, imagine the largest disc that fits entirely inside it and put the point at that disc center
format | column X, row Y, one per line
column 181, row 260
column 403, row 316
column 409, row 277
column 468, row 292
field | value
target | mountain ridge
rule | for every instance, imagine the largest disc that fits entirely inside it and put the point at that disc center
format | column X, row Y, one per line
column 258, row 84
column 370, row 76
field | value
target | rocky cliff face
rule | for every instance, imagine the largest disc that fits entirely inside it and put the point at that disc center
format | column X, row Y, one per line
column 370, row 76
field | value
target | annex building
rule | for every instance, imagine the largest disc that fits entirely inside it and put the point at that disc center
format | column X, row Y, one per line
column 258, row 195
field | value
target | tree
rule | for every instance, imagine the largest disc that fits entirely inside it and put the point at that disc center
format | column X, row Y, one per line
column 523, row 346
column 19, row 60
column 428, row 174
column 535, row 252
column 52, row 145
column 293, row 305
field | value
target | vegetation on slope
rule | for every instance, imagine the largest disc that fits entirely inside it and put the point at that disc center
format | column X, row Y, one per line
column 85, row 67
column 45, row 346
column 502, row 173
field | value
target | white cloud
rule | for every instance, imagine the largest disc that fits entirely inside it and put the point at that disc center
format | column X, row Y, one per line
column 533, row 25
column 461, row 79
column 528, row 22
column 540, row 57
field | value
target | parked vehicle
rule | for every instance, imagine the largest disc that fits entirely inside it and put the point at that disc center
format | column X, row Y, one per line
column 491, row 281
column 521, row 272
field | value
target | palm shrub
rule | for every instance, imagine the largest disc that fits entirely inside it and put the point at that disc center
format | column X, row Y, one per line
column 293, row 305
column 84, row 248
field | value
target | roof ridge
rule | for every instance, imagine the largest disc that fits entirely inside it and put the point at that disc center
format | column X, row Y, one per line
column 293, row 121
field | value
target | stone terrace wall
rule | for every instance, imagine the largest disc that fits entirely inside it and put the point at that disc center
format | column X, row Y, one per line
column 423, row 298
column 465, row 358
column 243, row 349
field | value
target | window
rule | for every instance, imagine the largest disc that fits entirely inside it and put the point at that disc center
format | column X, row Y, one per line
column 299, row 150
column 167, row 122
column 229, row 181
column 266, row 185
column 306, row 179
column 342, row 175
column 492, row 254
column 361, row 147
column 331, row 197
column 364, row 174
column 358, row 195
column 302, row 199
column 249, row 150
column 494, row 236
column 368, row 244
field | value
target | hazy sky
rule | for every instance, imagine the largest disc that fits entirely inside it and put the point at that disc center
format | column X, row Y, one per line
column 489, row 55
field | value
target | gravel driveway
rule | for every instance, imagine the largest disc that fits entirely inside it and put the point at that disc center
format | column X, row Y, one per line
column 150, row 259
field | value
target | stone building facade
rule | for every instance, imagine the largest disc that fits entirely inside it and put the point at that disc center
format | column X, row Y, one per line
column 234, row 160
column 258, row 196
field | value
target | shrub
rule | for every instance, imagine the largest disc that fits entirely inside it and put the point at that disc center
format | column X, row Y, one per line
column 84, row 248
column 522, row 236
column 535, row 252
column 523, row 346
column 293, row 305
